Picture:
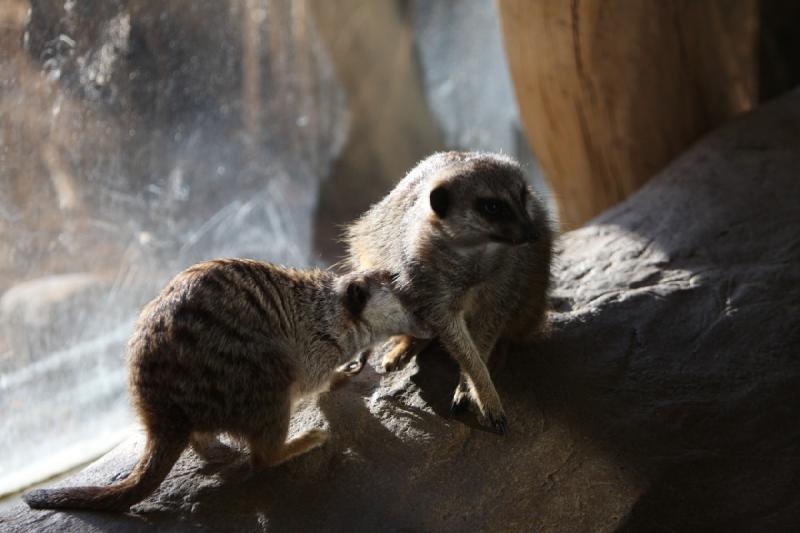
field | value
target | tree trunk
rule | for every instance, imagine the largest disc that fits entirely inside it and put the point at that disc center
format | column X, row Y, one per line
column 611, row 92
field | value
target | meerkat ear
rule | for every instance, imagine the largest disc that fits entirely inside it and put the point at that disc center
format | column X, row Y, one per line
column 356, row 296
column 440, row 201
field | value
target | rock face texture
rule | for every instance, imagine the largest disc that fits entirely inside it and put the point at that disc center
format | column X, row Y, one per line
column 665, row 398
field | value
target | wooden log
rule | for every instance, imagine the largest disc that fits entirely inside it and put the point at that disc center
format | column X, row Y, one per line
column 609, row 92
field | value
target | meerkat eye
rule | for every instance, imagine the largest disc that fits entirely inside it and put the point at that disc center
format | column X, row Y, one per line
column 493, row 208
column 440, row 201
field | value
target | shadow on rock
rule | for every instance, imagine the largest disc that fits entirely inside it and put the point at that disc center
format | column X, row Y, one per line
column 691, row 377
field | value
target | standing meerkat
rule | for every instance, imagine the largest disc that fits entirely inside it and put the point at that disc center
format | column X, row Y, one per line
column 228, row 347
column 472, row 244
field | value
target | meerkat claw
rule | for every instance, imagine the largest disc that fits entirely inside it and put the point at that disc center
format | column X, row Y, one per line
column 353, row 367
column 500, row 424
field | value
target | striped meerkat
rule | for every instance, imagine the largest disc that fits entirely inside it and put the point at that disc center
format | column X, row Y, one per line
column 471, row 243
column 228, row 347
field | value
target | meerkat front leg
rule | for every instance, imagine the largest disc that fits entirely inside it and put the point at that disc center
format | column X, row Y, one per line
column 458, row 342
column 485, row 337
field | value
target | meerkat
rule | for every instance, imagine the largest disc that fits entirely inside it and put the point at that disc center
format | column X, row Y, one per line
column 228, row 347
column 471, row 243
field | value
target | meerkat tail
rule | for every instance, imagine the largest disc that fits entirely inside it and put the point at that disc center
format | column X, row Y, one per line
column 160, row 455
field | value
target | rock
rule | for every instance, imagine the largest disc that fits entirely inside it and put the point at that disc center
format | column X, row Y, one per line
column 665, row 398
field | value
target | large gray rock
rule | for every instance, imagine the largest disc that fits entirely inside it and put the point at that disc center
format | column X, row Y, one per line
column 665, row 399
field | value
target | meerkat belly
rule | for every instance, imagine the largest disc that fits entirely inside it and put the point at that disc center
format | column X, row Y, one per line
column 489, row 300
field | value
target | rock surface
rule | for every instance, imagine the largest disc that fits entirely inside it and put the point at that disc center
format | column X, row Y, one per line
column 665, row 399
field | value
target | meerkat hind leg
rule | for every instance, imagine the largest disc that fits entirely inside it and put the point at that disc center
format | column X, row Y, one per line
column 269, row 446
column 264, row 454
column 305, row 442
column 210, row 449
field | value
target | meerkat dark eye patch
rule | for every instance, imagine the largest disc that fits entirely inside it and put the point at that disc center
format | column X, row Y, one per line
column 356, row 297
column 523, row 195
column 440, row 201
column 494, row 209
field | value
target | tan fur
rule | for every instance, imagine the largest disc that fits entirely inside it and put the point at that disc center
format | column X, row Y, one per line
column 474, row 276
column 228, row 347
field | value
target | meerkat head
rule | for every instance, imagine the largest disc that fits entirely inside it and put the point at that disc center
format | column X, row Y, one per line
column 374, row 306
column 476, row 199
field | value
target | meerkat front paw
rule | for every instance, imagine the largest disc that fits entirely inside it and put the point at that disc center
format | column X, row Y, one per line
column 499, row 423
column 349, row 369
column 398, row 353
column 492, row 418
column 495, row 419
column 355, row 366
column 461, row 400
column 400, row 350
